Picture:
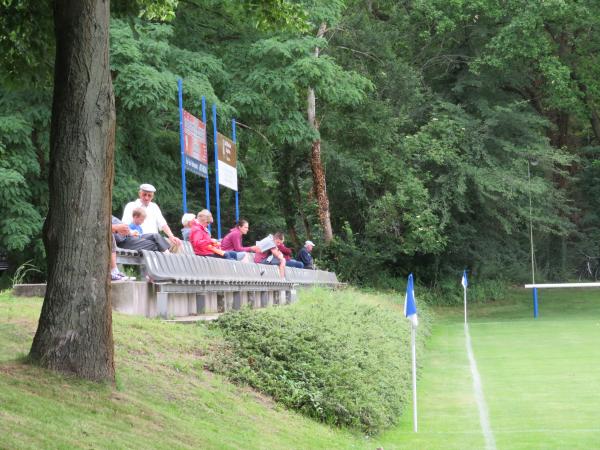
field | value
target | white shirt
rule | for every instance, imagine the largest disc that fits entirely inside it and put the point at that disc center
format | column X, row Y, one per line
column 154, row 219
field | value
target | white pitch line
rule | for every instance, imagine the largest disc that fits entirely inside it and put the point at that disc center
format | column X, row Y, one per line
column 484, row 417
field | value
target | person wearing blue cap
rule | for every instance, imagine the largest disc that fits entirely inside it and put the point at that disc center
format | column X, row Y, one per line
column 154, row 219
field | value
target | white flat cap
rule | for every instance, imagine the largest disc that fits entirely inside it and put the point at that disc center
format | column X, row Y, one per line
column 309, row 243
column 147, row 187
column 185, row 219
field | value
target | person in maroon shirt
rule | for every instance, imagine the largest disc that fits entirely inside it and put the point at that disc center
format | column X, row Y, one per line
column 271, row 255
column 287, row 253
column 233, row 239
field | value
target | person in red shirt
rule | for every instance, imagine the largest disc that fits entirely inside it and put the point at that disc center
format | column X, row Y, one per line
column 202, row 243
column 271, row 254
column 287, row 253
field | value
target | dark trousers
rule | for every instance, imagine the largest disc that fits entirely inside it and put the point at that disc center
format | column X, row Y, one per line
column 160, row 241
column 153, row 242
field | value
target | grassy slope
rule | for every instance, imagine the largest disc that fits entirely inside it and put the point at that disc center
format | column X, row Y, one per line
column 163, row 398
column 540, row 377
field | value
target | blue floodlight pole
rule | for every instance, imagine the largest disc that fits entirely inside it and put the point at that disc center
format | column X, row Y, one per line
column 214, row 111
column 535, row 293
column 183, row 190
column 237, row 198
column 206, row 183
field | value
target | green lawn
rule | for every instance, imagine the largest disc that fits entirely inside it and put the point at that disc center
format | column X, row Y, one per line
column 541, row 378
column 541, row 381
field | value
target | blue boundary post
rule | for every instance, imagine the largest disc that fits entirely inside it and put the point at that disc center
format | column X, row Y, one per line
column 183, row 188
column 237, row 198
column 214, row 112
column 206, row 182
column 535, row 303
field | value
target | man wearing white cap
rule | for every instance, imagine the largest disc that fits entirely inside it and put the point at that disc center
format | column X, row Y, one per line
column 154, row 219
column 305, row 256
column 187, row 220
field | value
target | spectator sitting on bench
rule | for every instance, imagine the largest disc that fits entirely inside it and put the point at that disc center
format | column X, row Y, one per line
column 122, row 234
column 138, row 217
column 305, row 256
column 286, row 252
column 187, row 220
column 115, row 274
column 270, row 254
column 202, row 243
column 154, row 218
column 233, row 239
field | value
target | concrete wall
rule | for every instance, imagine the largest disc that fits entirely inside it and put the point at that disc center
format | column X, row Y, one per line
column 141, row 298
column 29, row 290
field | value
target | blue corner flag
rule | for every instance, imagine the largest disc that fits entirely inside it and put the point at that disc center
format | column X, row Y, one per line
column 410, row 306
column 464, row 280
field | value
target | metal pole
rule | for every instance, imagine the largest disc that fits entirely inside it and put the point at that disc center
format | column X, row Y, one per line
column 214, row 111
column 237, row 199
column 465, row 302
column 181, row 142
column 531, row 225
column 206, row 182
column 414, row 377
column 535, row 297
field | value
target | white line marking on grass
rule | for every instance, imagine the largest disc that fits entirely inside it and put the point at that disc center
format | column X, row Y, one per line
column 484, row 417
column 516, row 431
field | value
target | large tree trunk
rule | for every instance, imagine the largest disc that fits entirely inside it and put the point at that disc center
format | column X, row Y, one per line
column 318, row 171
column 74, row 333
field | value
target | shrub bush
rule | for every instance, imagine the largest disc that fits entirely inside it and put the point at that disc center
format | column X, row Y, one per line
column 449, row 292
column 340, row 357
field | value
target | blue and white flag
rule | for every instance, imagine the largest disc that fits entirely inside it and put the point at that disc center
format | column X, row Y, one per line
column 464, row 280
column 410, row 306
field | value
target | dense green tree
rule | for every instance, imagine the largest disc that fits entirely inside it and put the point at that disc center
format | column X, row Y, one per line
column 427, row 114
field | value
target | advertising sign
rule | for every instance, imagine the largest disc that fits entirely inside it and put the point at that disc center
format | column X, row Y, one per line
column 227, row 162
column 194, row 138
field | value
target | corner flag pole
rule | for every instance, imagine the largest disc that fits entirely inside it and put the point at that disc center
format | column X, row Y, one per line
column 410, row 312
column 465, row 283
column 414, row 376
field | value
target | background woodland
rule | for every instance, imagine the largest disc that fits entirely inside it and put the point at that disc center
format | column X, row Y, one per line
column 428, row 115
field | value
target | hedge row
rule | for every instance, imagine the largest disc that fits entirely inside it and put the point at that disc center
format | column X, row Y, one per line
column 339, row 357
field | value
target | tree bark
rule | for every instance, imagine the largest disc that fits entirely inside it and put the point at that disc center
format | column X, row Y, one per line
column 74, row 333
column 316, row 164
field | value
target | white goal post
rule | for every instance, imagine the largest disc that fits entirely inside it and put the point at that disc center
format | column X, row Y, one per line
column 562, row 285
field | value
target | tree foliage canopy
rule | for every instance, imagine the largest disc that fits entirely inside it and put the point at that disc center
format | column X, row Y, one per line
column 430, row 114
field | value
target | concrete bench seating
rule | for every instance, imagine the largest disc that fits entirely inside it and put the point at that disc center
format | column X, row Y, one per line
column 222, row 274
column 186, row 284
column 134, row 257
column 129, row 257
column 183, row 284
column 310, row 277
